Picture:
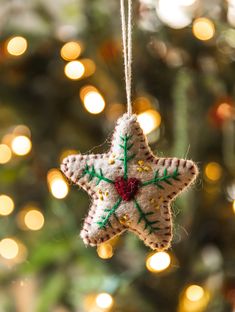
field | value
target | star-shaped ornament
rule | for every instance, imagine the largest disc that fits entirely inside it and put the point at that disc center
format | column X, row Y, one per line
column 131, row 189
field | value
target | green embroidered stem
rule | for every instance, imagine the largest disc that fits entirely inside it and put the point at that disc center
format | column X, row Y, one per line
column 105, row 219
column 143, row 216
column 93, row 174
column 165, row 178
column 126, row 158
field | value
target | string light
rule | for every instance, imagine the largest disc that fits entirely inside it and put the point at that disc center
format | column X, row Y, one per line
column 22, row 130
column 5, row 154
column 9, row 248
column 57, row 184
column 149, row 120
column 21, row 145
column 105, row 251
column 67, row 153
column 224, row 110
column 104, row 301
column 8, row 138
column 34, row 220
column 17, row 46
column 172, row 14
column 89, row 67
column 74, row 70
column 194, row 293
column 213, row 171
column 203, row 28
column 6, row 205
column 92, row 100
column 70, row 51
column 158, row 262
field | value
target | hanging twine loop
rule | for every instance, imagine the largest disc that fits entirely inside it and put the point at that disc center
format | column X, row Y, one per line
column 127, row 49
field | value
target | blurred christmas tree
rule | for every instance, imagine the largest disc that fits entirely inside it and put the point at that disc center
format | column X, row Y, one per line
column 62, row 88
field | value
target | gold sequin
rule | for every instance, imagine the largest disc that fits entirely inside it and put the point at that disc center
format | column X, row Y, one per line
column 140, row 162
column 147, row 168
column 111, row 161
column 139, row 169
column 124, row 220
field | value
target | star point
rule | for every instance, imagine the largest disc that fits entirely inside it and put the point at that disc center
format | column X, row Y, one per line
column 131, row 189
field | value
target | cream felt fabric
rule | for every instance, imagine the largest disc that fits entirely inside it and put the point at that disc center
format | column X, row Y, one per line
column 130, row 187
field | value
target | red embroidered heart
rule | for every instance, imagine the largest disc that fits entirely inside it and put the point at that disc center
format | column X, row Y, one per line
column 127, row 188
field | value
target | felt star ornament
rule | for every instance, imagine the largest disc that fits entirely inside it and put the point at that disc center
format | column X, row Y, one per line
column 131, row 189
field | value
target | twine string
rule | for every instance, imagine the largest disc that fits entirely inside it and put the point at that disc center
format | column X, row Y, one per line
column 127, row 49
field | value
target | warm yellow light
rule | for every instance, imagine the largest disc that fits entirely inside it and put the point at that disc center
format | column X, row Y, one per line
column 234, row 206
column 203, row 28
column 194, row 293
column 105, row 251
column 92, row 100
column 17, row 46
column 224, row 110
column 74, row 70
column 70, row 51
column 6, row 205
column 213, row 171
column 22, row 130
column 158, row 262
column 8, row 138
column 5, row 154
column 21, row 145
column 89, row 67
column 34, row 220
column 149, row 120
column 67, row 153
column 104, row 301
column 9, row 248
column 59, row 188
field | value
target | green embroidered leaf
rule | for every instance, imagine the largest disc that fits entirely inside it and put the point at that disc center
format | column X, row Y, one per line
column 93, row 174
column 126, row 158
column 164, row 178
column 105, row 218
column 144, row 217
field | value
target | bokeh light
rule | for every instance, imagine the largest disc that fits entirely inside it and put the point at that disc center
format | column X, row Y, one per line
column 213, row 171
column 67, row 153
column 203, row 28
column 17, row 45
column 21, row 145
column 93, row 101
column 105, row 251
column 5, row 154
column 234, row 206
column 224, row 110
column 34, row 220
column 194, row 293
column 172, row 14
column 74, row 70
column 158, row 262
column 70, row 50
column 104, row 301
column 149, row 120
column 9, row 248
column 22, row 130
column 89, row 67
column 6, row 205
column 57, row 184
